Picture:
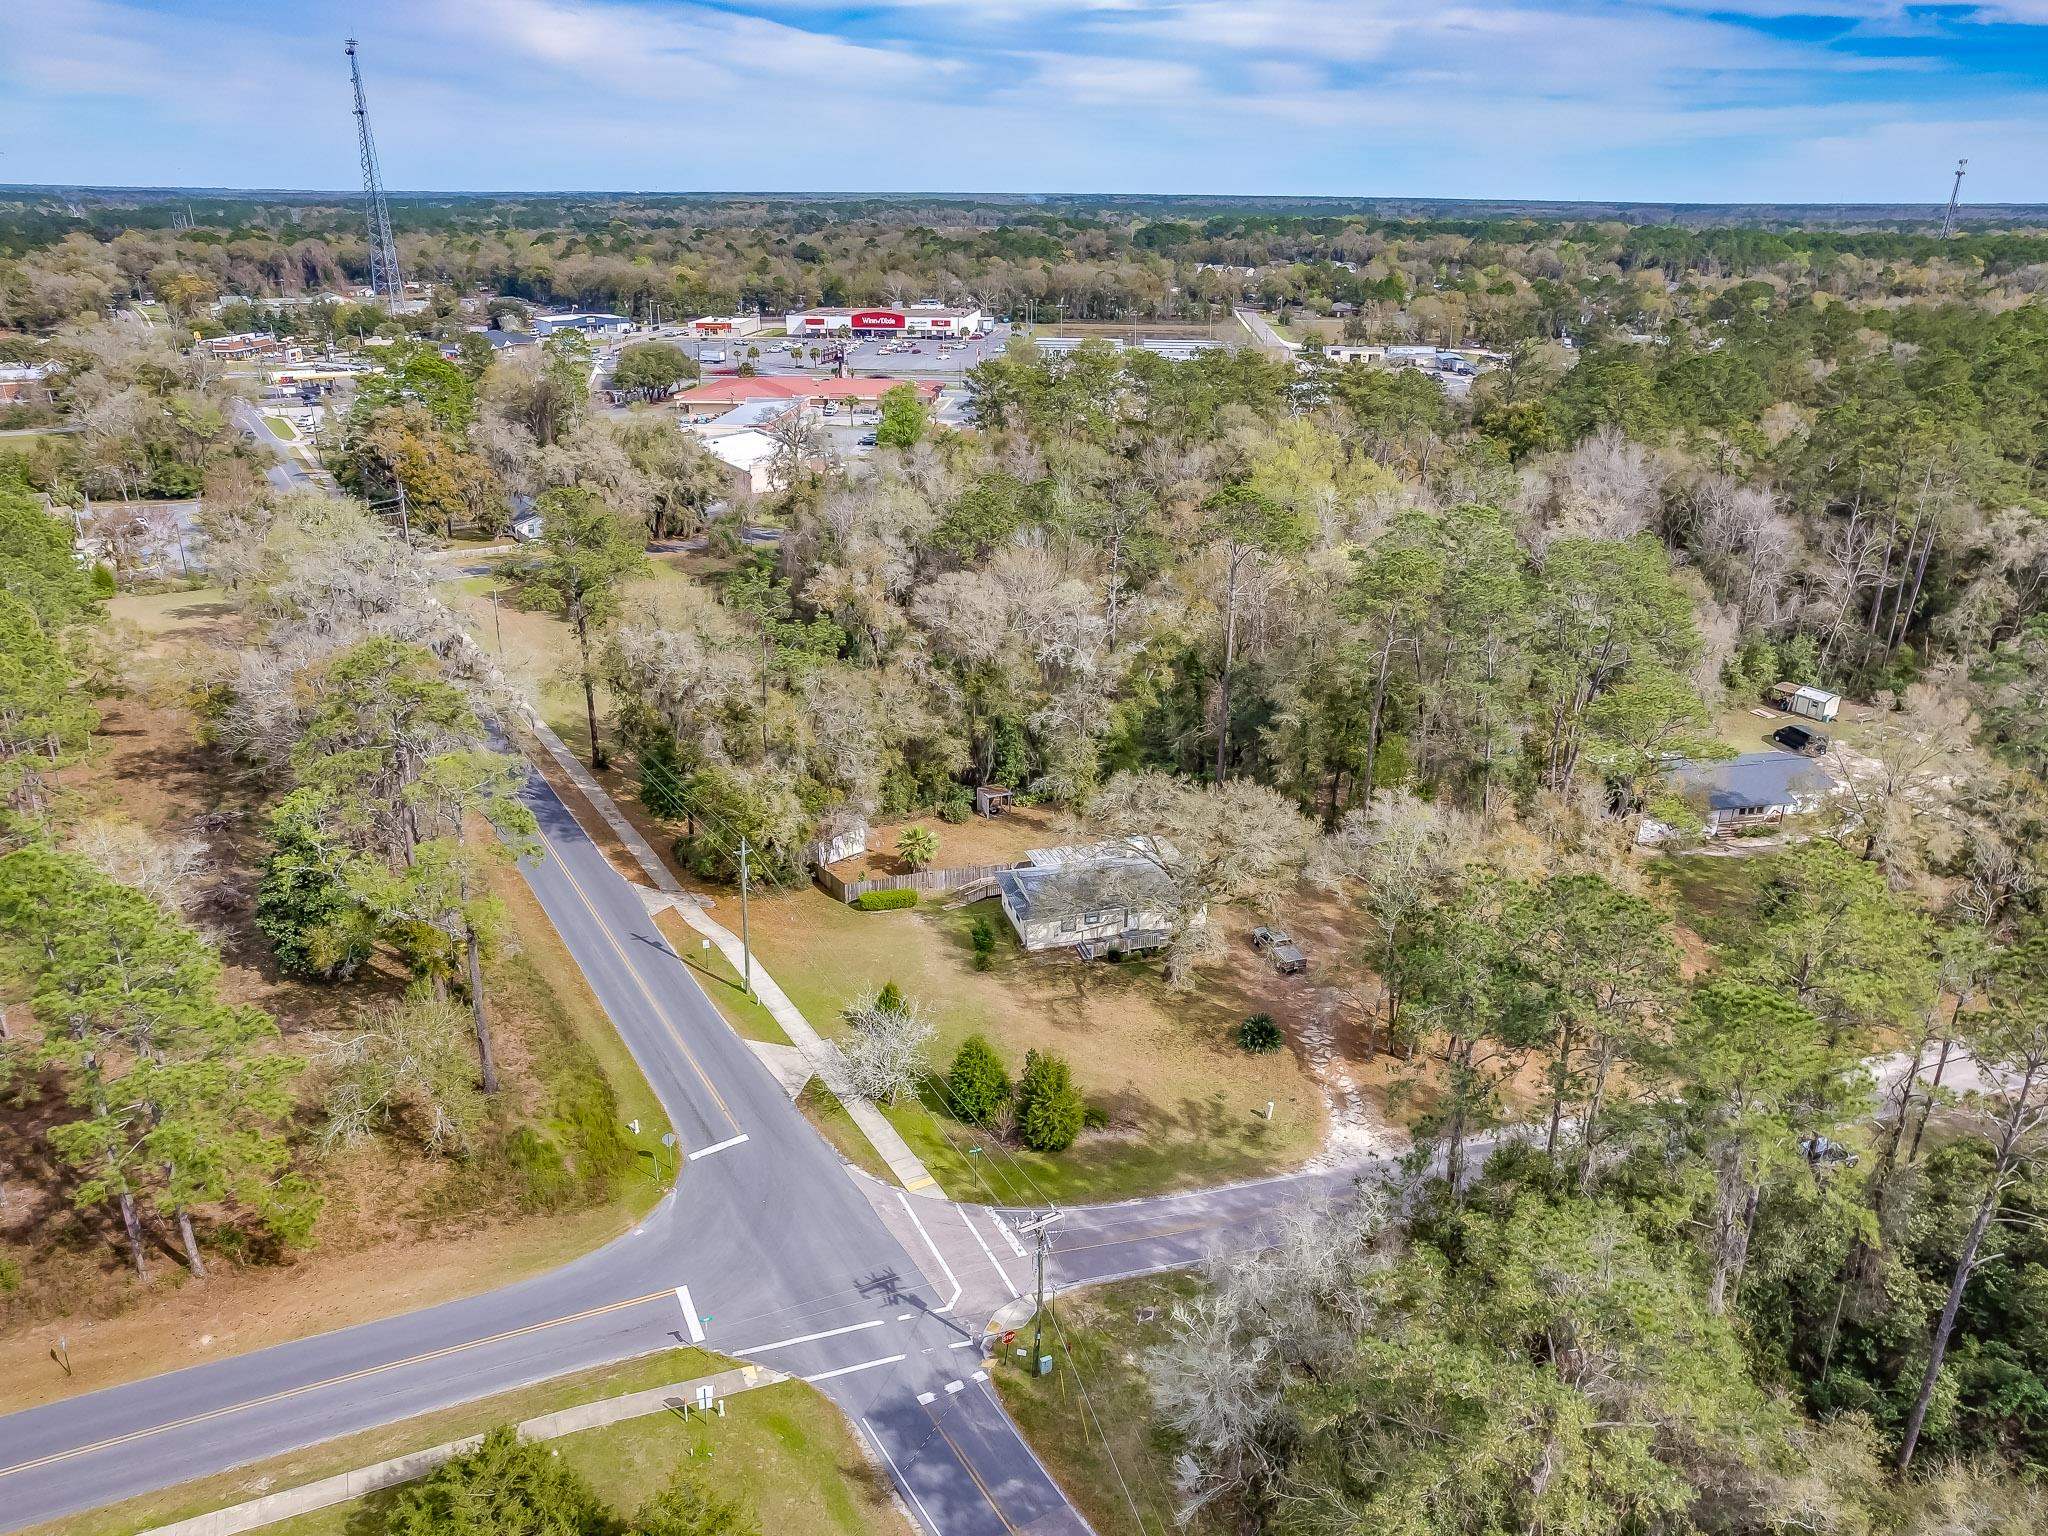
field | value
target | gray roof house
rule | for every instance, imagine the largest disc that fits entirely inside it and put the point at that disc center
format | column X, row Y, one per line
column 1755, row 789
column 1096, row 899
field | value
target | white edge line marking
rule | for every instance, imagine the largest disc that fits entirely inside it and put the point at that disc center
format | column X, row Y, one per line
column 901, row 1481
column 1003, row 1227
column 951, row 1280
column 848, row 1370
column 717, row 1146
column 689, row 1314
column 961, row 1344
column 987, row 1252
column 806, row 1338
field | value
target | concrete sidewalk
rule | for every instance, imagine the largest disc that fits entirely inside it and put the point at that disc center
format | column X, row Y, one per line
column 821, row 1054
column 290, row 1503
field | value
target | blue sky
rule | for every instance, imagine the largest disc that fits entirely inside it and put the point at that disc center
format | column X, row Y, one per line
column 1742, row 100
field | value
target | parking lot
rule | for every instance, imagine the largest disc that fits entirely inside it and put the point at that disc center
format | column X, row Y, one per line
column 862, row 357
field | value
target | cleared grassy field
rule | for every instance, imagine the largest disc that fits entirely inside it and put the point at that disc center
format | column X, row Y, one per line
column 1184, row 1105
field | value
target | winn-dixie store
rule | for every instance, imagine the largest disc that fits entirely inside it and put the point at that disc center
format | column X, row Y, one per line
column 915, row 321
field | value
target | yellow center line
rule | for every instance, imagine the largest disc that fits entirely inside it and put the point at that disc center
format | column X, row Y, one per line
column 331, row 1381
column 639, row 981
column 959, row 1455
column 1140, row 1237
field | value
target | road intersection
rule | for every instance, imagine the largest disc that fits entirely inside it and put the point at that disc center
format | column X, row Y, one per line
column 769, row 1249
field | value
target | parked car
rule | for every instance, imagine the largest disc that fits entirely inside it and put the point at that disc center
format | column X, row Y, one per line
column 865, row 440
column 1798, row 738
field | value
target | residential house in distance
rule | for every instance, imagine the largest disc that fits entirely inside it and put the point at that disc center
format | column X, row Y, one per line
column 1753, row 791
column 1096, row 899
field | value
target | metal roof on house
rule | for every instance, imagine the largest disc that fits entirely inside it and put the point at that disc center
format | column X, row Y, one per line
column 1077, row 887
column 1754, row 781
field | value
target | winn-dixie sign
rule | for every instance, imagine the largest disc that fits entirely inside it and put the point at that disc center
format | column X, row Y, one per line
column 864, row 320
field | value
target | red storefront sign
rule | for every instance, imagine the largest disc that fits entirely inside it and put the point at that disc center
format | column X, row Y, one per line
column 876, row 320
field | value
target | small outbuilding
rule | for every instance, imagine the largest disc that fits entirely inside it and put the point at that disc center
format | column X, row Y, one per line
column 1804, row 699
column 841, row 837
column 992, row 799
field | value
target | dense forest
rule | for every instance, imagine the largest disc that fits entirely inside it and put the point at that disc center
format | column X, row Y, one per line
column 1756, row 1263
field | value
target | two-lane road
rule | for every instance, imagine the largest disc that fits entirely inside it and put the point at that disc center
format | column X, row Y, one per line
column 780, row 1257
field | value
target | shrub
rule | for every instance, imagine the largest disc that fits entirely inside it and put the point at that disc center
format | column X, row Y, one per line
column 976, row 1082
column 1050, row 1112
column 884, row 901
column 917, row 846
column 956, row 805
column 983, row 937
column 504, row 1485
column 1259, row 1034
column 890, row 997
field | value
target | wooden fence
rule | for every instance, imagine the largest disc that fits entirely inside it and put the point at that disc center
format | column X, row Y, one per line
column 923, row 880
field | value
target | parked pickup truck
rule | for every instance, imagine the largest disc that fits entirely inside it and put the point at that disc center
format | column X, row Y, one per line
column 1281, row 949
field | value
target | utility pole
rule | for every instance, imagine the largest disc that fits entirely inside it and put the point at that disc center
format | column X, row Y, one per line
column 746, row 945
column 1948, row 219
column 1040, row 1229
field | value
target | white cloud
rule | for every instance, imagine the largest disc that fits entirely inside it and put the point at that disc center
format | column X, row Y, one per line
column 1536, row 98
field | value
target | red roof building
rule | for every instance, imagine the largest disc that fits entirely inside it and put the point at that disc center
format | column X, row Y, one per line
column 723, row 394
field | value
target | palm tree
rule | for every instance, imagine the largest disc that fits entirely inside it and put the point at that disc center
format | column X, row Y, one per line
column 918, row 846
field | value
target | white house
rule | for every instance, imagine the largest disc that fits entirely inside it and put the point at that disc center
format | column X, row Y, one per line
column 1803, row 699
column 1096, row 899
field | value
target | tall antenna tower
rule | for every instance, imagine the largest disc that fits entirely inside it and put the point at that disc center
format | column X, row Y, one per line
column 1948, row 219
column 384, row 277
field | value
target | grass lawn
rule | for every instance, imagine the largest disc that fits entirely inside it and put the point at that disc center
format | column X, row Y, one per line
column 783, row 1451
column 828, row 1117
column 281, row 428
column 1712, row 895
column 1184, row 1105
column 721, row 983
column 295, row 1468
column 1091, row 1420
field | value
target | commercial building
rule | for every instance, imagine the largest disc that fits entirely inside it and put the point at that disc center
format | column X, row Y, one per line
column 591, row 324
column 913, row 320
column 749, row 459
column 715, row 397
column 724, row 325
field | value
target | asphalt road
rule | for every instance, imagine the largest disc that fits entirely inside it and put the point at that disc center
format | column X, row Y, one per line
column 286, row 473
column 785, row 1259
